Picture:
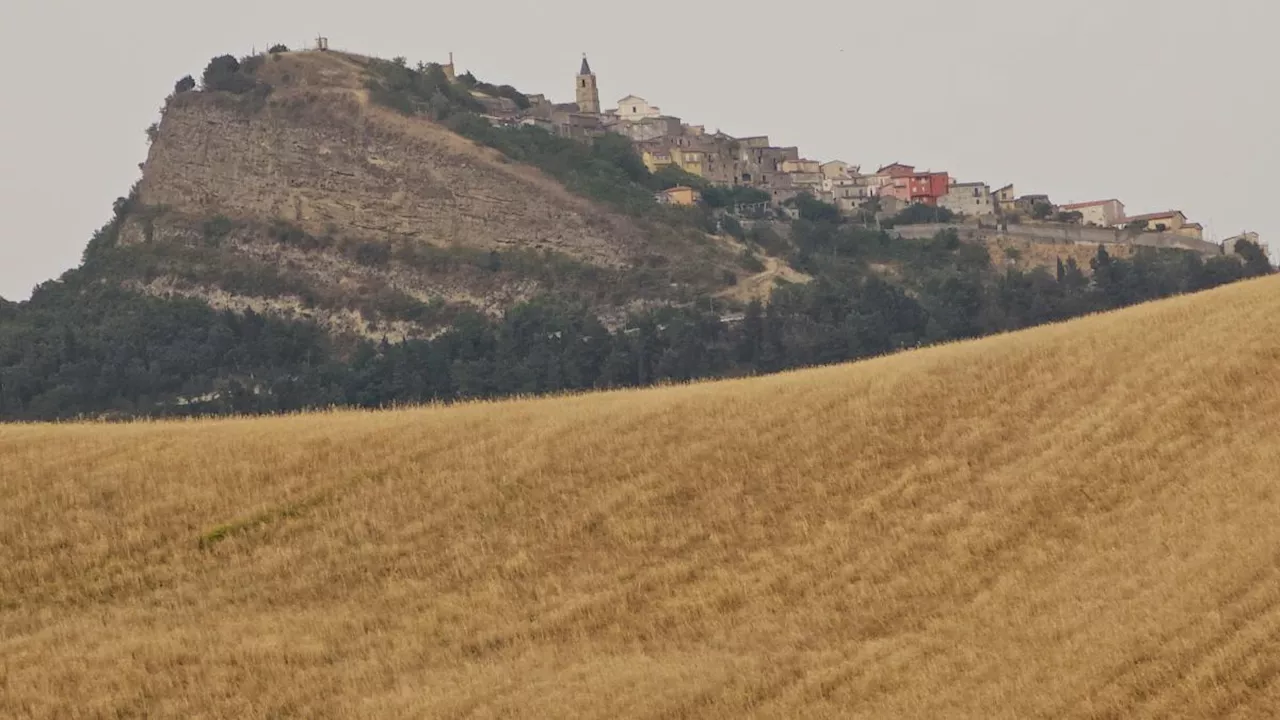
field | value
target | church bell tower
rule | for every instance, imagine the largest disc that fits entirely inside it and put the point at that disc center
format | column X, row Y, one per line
column 587, row 91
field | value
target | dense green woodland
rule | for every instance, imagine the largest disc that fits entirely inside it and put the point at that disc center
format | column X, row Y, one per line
column 82, row 346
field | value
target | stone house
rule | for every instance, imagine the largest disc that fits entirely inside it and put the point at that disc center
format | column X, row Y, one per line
column 896, row 169
column 971, row 199
column 1027, row 204
column 806, row 175
column 571, row 123
column 849, row 194
column 1103, row 213
column 649, row 128
column 802, row 166
column 838, row 169
column 1229, row 245
column 1005, row 199
column 1169, row 220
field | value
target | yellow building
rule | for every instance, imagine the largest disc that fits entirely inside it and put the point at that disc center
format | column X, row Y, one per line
column 679, row 195
column 655, row 160
column 1192, row 230
column 693, row 162
column 1171, row 221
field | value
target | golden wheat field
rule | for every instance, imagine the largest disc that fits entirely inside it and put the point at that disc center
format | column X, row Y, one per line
column 1080, row 520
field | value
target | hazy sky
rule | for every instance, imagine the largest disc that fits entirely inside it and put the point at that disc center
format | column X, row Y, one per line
column 1161, row 103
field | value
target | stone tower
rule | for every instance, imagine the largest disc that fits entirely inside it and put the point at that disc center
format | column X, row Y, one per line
column 588, row 91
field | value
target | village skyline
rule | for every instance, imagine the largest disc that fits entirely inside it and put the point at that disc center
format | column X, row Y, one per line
column 1162, row 105
column 783, row 171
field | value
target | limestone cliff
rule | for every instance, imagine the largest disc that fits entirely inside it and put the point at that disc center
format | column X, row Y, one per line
column 336, row 200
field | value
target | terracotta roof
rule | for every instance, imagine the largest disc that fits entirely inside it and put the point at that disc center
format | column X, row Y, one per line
column 895, row 165
column 1077, row 206
column 1155, row 216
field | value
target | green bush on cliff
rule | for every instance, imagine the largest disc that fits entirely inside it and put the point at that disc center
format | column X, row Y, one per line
column 224, row 74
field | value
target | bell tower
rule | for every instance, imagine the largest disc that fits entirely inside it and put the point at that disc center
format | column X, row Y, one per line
column 587, row 91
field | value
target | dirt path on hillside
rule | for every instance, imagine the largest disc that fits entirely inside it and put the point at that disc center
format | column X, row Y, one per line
column 760, row 285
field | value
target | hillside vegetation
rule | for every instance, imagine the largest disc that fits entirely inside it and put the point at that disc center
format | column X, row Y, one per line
column 325, row 186
column 319, row 229
column 1072, row 521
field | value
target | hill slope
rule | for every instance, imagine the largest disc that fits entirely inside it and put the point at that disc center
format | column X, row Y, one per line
column 303, row 198
column 1076, row 520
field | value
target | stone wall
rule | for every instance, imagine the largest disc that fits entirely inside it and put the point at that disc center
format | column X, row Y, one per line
column 1064, row 234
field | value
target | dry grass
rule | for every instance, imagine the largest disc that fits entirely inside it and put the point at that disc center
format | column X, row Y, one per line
column 1075, row 521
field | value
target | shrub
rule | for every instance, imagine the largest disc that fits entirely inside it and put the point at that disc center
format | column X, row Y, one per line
column 185, row 84
column 769, row 240
column 815, row 210
column 749, row 262
column 223, row 74
column 252, row 64
column 372, row 254
column 920, row 214
column 730, row 226
column 216, row 228
column 278, row 49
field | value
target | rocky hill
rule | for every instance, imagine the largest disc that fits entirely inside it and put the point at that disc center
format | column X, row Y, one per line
column 301, row 197
column 318, row 229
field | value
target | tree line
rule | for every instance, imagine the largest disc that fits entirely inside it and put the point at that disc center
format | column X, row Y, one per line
column 82, row 347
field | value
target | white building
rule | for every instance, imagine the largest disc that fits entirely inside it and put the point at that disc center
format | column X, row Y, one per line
column 634, row 108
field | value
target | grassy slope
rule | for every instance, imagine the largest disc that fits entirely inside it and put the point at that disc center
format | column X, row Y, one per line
column 1077, row 520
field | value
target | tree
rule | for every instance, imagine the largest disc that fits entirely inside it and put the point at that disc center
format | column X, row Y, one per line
column 278, row 49
column 223, row 74
column 185, row 84
column 815, row 210
column 919, row 214
column 1255, row 261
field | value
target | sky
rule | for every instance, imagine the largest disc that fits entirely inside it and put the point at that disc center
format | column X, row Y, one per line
column 1164, row 104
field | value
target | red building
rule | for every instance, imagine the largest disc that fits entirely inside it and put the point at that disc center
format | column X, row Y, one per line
column 904, row 183
column 928, row 187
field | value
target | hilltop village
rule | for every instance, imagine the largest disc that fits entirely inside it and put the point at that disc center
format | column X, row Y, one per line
column 782, row 173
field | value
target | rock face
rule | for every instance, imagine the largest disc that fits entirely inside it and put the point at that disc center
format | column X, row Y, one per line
column 330, row 159
column 318, row 158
